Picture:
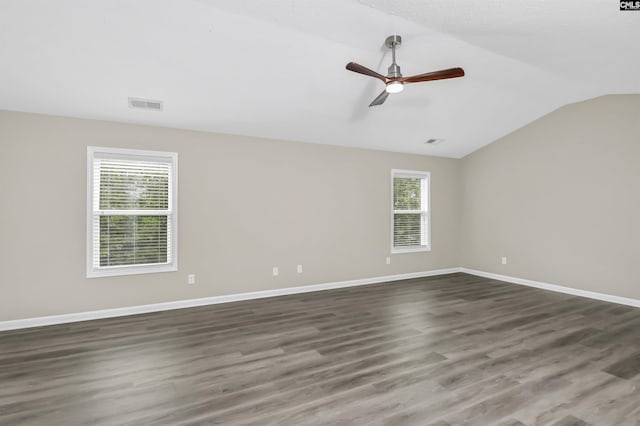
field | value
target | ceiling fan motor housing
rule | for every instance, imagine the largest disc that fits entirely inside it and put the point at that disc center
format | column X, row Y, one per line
column 394, row 71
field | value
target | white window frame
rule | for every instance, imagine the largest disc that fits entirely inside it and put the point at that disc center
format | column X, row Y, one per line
column 425, row 210
column 93, row 241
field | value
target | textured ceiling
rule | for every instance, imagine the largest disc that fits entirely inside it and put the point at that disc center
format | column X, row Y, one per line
column 276, row 68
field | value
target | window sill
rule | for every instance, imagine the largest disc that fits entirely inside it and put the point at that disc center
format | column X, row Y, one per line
column 130, row 270
column 413, row 249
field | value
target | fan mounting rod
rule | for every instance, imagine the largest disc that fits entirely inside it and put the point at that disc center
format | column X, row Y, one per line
column 392, row 42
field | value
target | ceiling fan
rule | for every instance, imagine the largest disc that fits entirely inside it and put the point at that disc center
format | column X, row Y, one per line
column 394, row 80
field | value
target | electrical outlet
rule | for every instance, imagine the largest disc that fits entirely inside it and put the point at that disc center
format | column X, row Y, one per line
column 299, row 269
column 504, row 260
column 191, row 279
column 388, row 260
column 275, row 271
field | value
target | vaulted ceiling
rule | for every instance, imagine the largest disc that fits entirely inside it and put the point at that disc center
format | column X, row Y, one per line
column 275, row 68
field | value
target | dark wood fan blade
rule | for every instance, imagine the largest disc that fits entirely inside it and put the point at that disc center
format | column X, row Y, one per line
column 435, row 75
column 361, row 69
column 379, row 100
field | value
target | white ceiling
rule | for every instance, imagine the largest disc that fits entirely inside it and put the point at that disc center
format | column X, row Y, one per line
column 276, row 68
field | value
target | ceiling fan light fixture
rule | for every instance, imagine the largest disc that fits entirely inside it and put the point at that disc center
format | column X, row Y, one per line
column 394, row 87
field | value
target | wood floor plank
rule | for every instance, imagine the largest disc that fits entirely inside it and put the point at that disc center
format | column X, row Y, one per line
column 447, row 350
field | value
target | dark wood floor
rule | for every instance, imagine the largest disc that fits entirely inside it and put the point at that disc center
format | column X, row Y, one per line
column 454, row 349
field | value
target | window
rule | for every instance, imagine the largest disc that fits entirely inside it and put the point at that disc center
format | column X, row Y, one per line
column 410, row 210
column 131, row 212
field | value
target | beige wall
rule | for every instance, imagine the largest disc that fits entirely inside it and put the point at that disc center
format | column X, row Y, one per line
column 245, row 205
column 560, row 198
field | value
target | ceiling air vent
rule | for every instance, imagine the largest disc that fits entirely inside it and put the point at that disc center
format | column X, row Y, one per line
column 434, row 141
column 149, row 104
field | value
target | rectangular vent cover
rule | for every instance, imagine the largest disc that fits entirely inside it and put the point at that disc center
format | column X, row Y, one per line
column 149, row 104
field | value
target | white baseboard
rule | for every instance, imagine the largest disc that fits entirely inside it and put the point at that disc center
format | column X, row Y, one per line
column 560, row 289
column 179, row 304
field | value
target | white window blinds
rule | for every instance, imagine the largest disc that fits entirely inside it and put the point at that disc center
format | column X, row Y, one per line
column 410, row 227
column 132, row 212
